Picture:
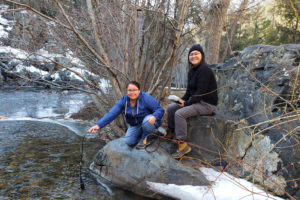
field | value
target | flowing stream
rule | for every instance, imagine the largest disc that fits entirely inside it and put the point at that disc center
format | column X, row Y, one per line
column 40, row 149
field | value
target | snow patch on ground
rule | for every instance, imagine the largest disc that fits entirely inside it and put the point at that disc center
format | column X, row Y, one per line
column 223, row 187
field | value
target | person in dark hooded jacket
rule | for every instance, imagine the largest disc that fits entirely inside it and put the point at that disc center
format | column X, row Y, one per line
column 200, row 98
column 142, row 112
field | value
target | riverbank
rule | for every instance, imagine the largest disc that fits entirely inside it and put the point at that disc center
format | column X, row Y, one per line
column 40, row 147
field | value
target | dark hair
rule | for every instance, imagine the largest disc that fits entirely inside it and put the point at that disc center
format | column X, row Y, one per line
column 133, row 83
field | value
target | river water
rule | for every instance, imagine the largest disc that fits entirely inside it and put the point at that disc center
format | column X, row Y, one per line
column 40, row 149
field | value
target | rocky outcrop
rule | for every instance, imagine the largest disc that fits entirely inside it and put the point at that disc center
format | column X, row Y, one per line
column 130, row 168
column 259, row 89
column 37, row 70
column 260, row 78
column 211, row 136
column 45, row 62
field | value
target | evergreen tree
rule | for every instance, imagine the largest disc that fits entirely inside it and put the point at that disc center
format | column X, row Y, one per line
column 273, row 22
column 288, row 23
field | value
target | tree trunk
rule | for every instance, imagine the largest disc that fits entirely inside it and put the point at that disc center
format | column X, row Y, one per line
column 295, row 31
column 215, row 21
column 171, row 61
column 235, row 19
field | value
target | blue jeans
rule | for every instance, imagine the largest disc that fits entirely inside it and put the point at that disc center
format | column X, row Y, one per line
column 135, row 133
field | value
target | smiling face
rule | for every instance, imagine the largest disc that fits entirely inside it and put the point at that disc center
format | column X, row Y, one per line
column 133, row 92
column 195, row 57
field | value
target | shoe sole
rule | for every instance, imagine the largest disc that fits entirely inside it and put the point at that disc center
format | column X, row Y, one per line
column 140, row 147
column 180, row 156
column 143, row 147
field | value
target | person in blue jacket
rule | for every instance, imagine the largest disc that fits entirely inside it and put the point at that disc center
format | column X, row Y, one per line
column 142, row 112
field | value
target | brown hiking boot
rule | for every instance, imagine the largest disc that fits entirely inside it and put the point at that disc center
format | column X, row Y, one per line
column 183, row 148
column 170, row 133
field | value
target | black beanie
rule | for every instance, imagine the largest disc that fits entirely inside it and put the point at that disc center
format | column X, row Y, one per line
column 197, row 47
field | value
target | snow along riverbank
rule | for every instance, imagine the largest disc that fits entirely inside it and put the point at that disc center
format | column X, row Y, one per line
column 223, row 187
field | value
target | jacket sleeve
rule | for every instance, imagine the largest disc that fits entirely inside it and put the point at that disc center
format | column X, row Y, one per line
column 112, row 113
column 155, row 107
column 203, row 78
column 186, row 95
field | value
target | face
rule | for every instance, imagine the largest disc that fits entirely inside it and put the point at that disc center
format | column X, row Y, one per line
column 133, row 92
column 195, row 57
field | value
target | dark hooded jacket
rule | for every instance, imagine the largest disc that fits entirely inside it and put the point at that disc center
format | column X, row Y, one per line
column 201, row 85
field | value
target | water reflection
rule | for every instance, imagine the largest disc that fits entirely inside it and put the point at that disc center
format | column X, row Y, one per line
column 40, row 103
column 40, row 160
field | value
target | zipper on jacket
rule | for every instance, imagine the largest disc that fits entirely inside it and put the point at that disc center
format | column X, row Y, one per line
column 137, row 110
column 132, row 110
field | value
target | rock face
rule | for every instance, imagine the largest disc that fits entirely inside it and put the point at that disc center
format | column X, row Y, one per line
column 259, row 78
column 259, row 89
column 130, row 168
column 45, row 62
column 212, row 135
column 41, row 71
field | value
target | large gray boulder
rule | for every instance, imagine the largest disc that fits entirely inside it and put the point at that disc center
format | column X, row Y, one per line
column 210, row 136
column 259, row 89
column 130, row 168
column 255, row 82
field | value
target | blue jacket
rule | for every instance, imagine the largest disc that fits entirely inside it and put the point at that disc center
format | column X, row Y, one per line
column 145, row 105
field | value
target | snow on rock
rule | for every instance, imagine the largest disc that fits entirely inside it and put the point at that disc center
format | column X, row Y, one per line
column 16, row 57
column 32, row 69
column 5, row 25
column 75, row 61
column 104, row 85
column 4, row 7
column 3, row 33
column 15, row 53
column 47, row 65
column 43, row 56
column 223, row 187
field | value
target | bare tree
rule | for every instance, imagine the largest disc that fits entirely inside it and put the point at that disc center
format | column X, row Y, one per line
column 118, row 40
column 216, row 19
